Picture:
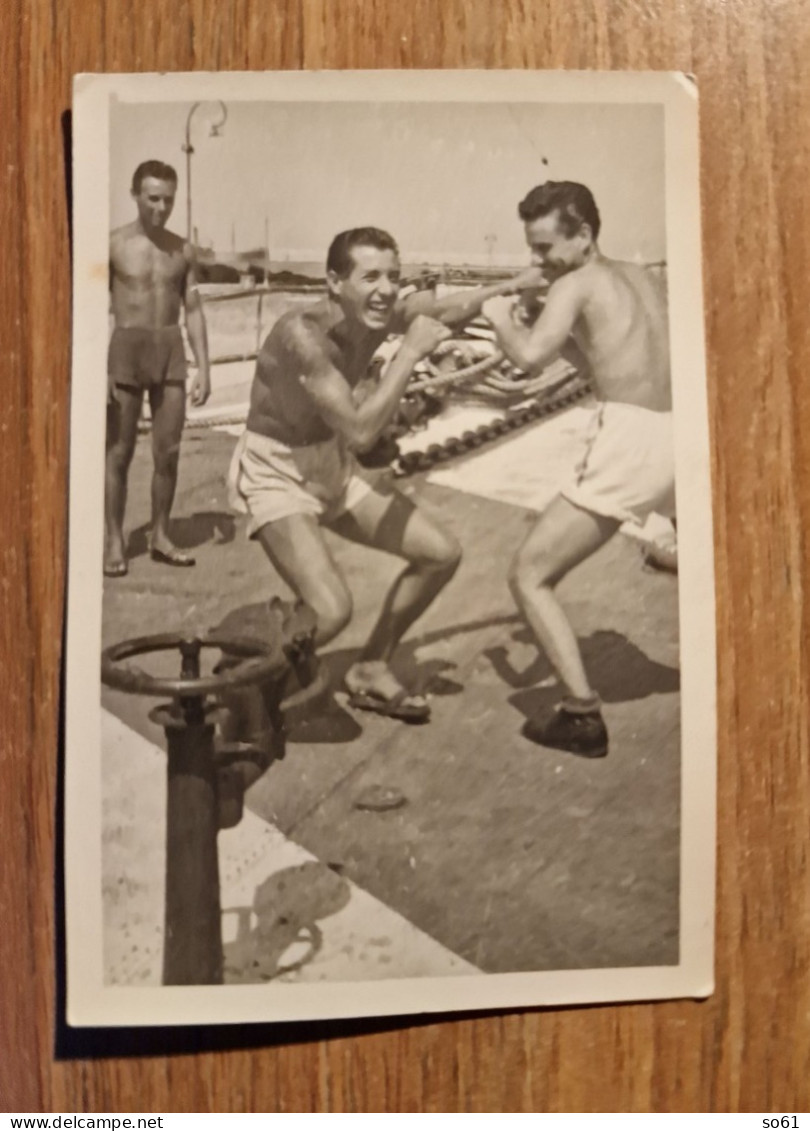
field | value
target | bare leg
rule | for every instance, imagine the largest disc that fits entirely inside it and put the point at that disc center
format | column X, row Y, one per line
column 389, row 521
column 296, row 548
column 563, row 537
column 123, row 414
column 168, row 403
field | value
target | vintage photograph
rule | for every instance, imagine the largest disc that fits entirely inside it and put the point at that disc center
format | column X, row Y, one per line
column 390, row 661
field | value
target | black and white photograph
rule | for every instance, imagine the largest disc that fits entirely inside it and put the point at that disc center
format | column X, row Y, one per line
column 390, row 646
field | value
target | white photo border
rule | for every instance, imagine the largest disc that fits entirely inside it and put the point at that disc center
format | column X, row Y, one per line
column 89, row 1001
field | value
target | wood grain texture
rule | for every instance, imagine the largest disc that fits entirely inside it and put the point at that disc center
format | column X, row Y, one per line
column 748, row 1048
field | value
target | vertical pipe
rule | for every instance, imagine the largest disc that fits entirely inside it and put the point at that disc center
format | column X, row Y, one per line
column 188, row 189
column 192, row 947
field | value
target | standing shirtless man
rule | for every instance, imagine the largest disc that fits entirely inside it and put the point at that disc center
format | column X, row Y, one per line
column 294, row 469
column 151, row 278
column 616, row 314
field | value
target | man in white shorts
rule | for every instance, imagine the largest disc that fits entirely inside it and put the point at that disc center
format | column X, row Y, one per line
column 616, row 314
column 294, row 469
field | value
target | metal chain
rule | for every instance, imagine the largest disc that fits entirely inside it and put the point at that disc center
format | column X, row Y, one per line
column 412, row 462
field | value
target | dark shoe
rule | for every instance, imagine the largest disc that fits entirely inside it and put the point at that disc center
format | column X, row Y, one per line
column 579, row 733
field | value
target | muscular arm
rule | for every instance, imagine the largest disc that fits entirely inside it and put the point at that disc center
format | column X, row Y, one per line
column 362, row 424
column 197, row 336
column 532, row 347
column 462, row 305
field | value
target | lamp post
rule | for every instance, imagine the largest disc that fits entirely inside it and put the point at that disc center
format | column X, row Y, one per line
column 188, row 149
column 490, row 240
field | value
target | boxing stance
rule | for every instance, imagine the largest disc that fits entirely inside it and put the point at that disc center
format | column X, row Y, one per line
column 617, row 317
column 294, row 470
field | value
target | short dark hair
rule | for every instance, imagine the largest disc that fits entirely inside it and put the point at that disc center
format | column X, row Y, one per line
column 157, row 169
column 339, row 257
column 574, row 203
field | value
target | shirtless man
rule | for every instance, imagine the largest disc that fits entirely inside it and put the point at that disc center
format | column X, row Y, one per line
column 617, row 317
column 151, row 278
column 294, row 469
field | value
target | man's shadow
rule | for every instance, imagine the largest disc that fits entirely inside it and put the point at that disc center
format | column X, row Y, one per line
column 187, row 532
column 327, row 721
column 617, row 669
column 431, row 677
column 285, row 935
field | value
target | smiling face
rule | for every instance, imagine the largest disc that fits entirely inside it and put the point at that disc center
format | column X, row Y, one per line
column 552, row 249
column 155, row 201
column 368, row 293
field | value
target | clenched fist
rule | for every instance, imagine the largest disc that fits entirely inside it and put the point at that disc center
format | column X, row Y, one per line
column 499, row 310
column 532, row 279
column 424, row 334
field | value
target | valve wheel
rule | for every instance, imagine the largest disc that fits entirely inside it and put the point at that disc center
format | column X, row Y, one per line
column 257, row 661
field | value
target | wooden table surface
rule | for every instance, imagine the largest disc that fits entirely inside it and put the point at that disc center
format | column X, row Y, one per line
column 746, row 1049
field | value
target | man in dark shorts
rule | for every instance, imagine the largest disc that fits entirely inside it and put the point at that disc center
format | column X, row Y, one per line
column 151, row 278
column 294, row 469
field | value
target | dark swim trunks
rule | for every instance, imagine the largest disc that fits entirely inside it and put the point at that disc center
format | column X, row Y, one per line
column 145, row 359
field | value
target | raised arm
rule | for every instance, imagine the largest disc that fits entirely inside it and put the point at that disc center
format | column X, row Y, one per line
column 362, row 424
column 532, row 347
column 462, row 305
column 197, row 334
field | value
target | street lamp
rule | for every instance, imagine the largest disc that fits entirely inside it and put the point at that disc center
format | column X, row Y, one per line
column 188, row 149
column 490, row 240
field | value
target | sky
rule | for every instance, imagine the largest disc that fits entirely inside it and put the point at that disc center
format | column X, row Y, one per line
column 444, row 178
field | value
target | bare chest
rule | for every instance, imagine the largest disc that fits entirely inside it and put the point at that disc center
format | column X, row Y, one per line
column 353, row 360
column 140, row 265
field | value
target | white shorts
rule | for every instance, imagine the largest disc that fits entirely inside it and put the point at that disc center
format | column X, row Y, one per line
column 627, row 467
column 269, row 480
